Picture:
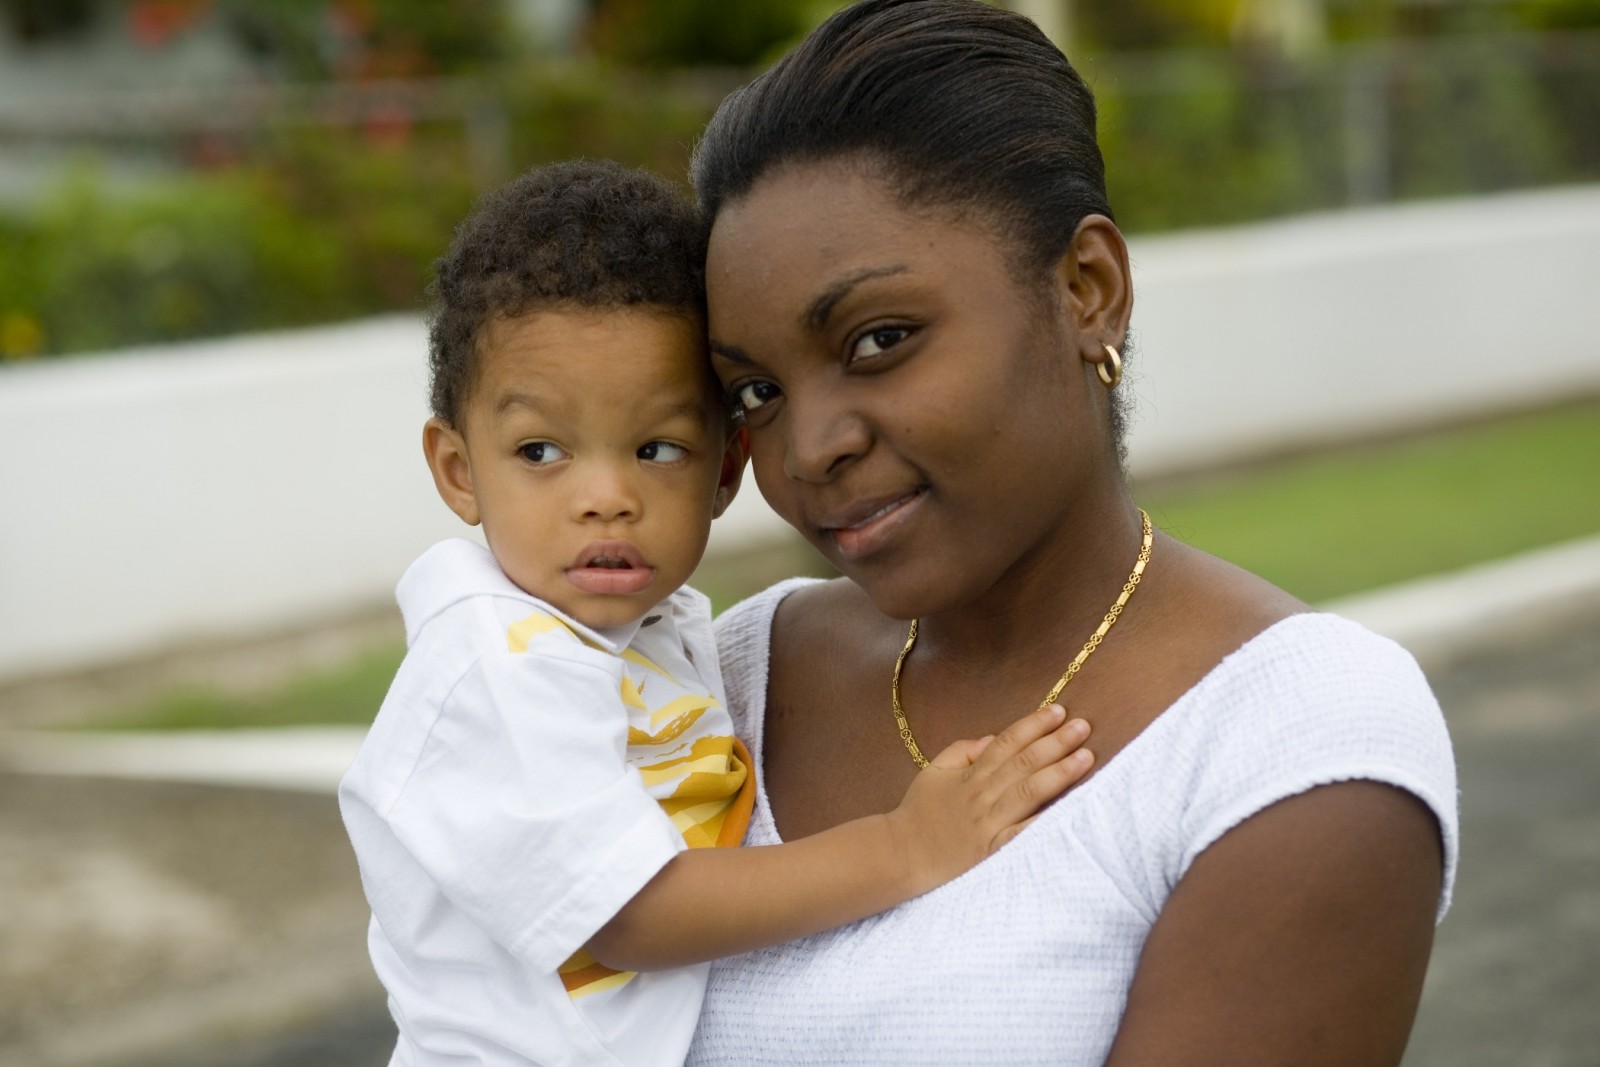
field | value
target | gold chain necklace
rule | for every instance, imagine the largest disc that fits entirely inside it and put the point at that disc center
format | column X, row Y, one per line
column 1088, row 649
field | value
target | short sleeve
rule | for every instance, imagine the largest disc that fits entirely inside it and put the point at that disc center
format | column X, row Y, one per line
column 522, row 808
column 1315, row 701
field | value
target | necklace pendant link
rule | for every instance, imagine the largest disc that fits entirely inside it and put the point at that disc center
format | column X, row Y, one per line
column 1147, row 539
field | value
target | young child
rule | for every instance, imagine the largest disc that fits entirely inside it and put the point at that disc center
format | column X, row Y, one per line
column 531, row 805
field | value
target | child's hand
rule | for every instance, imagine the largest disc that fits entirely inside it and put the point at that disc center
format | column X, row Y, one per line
column 977, row 795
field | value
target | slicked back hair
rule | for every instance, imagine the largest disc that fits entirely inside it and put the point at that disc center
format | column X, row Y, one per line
column 964, row 104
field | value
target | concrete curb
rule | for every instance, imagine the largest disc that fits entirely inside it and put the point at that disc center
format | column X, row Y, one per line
column 299, row 758
column 1437, row 615
column 1431, row 617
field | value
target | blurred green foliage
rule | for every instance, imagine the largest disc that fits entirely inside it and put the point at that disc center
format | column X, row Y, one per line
column 1165, row 24
column 330, row 235
column 324, row 210
column 318, row 225
column 680, row 33
column 371, row 38
column 1206, row 138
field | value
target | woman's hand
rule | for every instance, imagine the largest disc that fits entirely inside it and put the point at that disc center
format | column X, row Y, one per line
column 977, row 795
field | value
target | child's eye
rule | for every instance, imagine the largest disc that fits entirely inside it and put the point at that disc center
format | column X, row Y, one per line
column 541, row 452
column 877, row 342
column 752, row 395
column 662, row 452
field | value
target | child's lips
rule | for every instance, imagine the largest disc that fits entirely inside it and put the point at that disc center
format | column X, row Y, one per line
column 610, row 568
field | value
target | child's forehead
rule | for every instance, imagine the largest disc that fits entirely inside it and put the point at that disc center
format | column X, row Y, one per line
column 652, row 357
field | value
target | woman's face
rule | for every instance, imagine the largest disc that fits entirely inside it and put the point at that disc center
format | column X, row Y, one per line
column 919, row 414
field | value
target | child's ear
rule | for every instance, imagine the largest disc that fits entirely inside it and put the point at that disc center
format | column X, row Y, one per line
column 733, row 460
column 446, row 452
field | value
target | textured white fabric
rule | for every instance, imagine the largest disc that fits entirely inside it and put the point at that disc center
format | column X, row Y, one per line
column 498, row 822
column 1027, row 958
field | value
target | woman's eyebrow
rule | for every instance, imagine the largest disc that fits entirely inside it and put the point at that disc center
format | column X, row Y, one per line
column 731, row 353
column 816, row 316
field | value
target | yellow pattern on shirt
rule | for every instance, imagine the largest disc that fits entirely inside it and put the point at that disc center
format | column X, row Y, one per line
column 703, row 783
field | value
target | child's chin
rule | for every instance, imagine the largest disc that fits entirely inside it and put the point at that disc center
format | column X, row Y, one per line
column 605, row 613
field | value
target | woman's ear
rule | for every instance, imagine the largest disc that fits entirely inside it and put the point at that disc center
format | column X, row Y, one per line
column 446, row 452
column 733, row 460
column 1096, row 286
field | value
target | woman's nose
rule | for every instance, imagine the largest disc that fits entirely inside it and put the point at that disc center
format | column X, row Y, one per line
column 823, row 439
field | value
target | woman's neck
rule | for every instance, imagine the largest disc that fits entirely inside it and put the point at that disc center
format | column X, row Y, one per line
column 1049, row 601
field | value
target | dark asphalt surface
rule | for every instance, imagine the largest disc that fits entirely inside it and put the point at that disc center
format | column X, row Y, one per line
column 1515, row 976
column 270, row 912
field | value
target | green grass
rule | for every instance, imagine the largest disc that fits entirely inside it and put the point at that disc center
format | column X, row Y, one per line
column 1339, row 523
column 349, row 694
column 1320, row 526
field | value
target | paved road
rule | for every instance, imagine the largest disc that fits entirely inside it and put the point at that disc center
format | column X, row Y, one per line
column 235, row 942
column 1515, row 979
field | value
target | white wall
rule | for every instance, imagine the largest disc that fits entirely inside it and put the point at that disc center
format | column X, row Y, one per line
column 215, row 488
column 1292, row 332
column 239, row 486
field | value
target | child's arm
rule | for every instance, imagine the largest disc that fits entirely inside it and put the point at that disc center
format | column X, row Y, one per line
column 974, row 797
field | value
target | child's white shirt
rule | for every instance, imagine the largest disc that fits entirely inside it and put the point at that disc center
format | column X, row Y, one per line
column 513, row 794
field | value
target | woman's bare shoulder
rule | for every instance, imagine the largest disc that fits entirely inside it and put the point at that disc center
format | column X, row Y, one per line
column 1211, row 596
column 1191, row 612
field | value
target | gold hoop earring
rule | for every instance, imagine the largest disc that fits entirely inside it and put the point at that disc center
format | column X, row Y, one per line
column 1110, row 378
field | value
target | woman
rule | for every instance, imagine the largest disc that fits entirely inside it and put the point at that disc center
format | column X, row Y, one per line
column 919, row 298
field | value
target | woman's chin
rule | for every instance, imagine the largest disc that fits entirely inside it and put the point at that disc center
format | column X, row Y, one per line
column 901, row 593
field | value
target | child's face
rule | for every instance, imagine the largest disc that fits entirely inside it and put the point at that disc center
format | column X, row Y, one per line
column 593, row 450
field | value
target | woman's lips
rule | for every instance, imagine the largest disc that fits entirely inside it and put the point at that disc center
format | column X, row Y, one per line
column 610, row 568
column 878, row 523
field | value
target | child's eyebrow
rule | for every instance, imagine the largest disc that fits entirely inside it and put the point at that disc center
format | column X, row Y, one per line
column 681, row 409
column 515, row 400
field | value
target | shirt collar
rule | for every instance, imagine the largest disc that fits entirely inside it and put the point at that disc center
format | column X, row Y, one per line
column 453, row 570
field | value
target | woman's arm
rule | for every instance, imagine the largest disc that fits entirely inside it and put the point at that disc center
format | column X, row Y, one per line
column 1301, row 936
column 974, row 797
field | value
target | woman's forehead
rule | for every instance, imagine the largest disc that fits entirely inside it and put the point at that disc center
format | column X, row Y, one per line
column 799, row 198
column 814, row 239
column 819, row 224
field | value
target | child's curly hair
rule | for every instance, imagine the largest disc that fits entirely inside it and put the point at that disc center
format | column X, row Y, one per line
column 588, row 234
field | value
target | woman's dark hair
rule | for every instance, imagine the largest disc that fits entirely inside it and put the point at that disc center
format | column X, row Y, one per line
column 587, row 234
column 963, row 105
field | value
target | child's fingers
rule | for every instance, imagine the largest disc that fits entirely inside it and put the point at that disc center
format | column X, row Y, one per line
column 960, row 754
column 1037, row 754
column 1019, row 804
column 1022, row 733
column 1039, row 773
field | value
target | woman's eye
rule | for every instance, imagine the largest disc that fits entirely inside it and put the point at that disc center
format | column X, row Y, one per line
column 752, row 395
column 663, row 452
column 878, row 342
column 541, row 452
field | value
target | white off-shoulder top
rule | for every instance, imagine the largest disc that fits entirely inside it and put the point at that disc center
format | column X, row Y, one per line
column 1028, row 957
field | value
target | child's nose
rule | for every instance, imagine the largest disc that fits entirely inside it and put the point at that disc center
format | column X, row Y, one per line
column 609, row 496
